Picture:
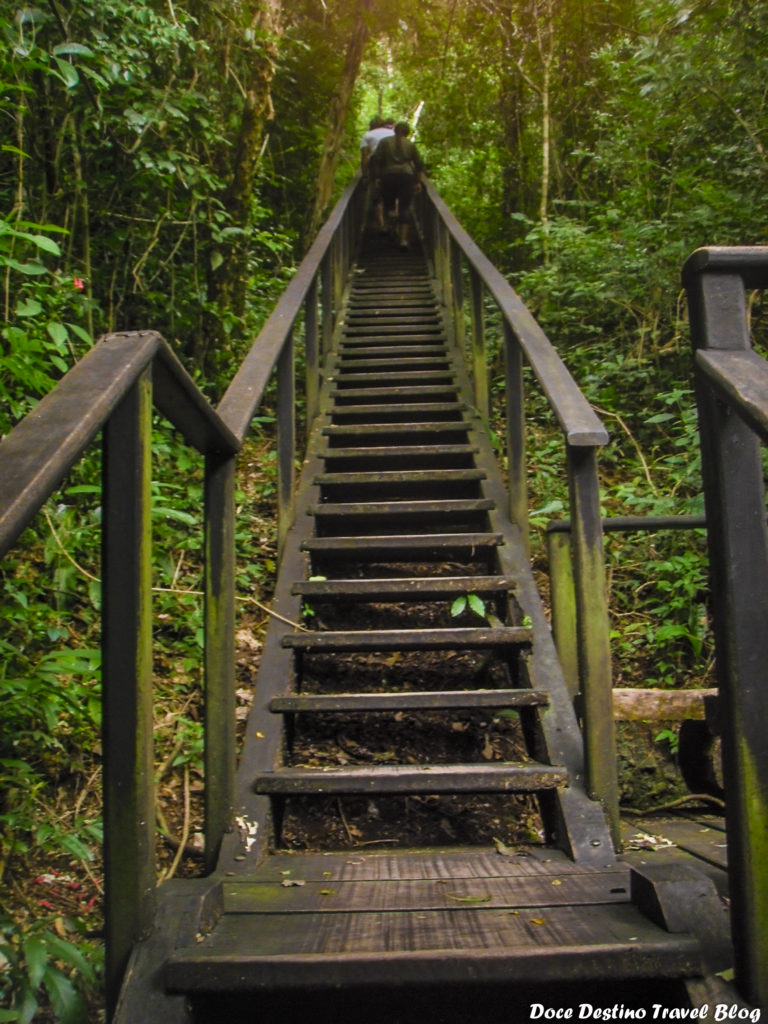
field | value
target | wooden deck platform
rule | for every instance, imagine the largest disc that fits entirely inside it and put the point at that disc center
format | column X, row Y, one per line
column 313, row 921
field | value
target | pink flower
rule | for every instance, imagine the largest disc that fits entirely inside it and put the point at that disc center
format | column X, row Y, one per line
column 78, row 283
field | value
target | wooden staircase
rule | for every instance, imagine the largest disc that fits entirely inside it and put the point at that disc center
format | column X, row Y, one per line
column 400, row 512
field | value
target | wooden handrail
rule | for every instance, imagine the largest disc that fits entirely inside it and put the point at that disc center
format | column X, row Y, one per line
column 243, row 396
column 748, row 262
column 576, row 417
column 39, row 452
column 524, row 341
column 731, row 378
column 740, row 379
column 112, row 389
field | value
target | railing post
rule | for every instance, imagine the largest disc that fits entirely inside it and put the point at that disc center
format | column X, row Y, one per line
column 515, row 398
column 337, row 256
column 312, row 352
column 442, row 263
column 219, row 584
column 326, row 299
column 593, row 633
column 479, row 365
column 128, row 765
column 738, row 554
column 457, row 293
column 431, row 218
column 286, row 439
column 563, row 602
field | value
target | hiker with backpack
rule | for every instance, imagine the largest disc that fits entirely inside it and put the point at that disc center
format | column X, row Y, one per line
column 400, row 170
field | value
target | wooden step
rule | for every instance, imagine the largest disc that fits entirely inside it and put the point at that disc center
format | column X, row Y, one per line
column 426, row 344
column 425, row 337
column 404, row 409
column 368, row 316
column 404, row 547
column 437, row 700
column 413, row 476
column 402, row 283
column 407, row 894
column 431, row 427
column 404, row 377
column 369, row 348
column 451, row 947
column 407, row 347
column 430, row 393
column 405, row 292
column 405, row 589
column 391, row 457
column 397, row 509
column 361, row 303
column 426, row 323
column 348, row 364
column 318, row 641
column 402, row 779
column 460, row 920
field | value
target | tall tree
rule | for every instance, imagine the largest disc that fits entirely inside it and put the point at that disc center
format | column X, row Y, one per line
column 248, row 40
column 359, row 32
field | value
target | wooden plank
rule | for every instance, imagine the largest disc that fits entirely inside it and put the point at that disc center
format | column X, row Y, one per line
column 365, row 301
column 740, row 379
column 401, row 408
column 404, row 451
column 698, row 840
column 414, row 700
column 400, row 392
column 389, row 349
column 404, row 376
column 350, row 364
column 243, row 396
column 553, row 944
column 413, row 476
column 408, row 639
column 296, row 895
column 498, row 777
column 403, row 544
column 451, row 864
column 404, row 351
column 395, row 429
column 435, row 507
column 396, row 312
column 576, row 417
column 653, row 705
column 417, row 589
column 395, row 322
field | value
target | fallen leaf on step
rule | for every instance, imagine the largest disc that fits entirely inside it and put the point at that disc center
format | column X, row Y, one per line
column 502, row 848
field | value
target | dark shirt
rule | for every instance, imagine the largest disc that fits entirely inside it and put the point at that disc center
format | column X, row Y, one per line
column 395, row 155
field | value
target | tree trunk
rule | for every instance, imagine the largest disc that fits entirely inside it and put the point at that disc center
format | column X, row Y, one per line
column 338, row 116
column 545, row 38
column 227, row 258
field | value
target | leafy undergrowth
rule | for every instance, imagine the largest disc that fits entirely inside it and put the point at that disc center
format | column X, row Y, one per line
column 51, row 879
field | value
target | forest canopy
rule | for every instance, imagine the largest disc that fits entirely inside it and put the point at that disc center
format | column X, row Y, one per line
column 174, row 159
column 164, row 164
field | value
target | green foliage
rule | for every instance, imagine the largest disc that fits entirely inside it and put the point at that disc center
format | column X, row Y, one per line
column 471, row 602
column 671, row 738
column 41, row 968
